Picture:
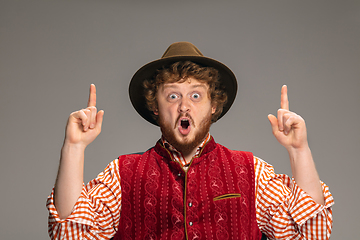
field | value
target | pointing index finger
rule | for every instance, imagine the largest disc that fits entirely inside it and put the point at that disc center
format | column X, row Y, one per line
column 284, row 103
column 92, row 96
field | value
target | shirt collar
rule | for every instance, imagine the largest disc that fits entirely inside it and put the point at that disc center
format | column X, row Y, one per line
column 177, row 156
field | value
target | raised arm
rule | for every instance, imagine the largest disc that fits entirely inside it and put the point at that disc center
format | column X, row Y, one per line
column 82, row 128
column 290, row 131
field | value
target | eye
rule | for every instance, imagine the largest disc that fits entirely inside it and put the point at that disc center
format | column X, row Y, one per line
column 195, row 96
column 173, row 96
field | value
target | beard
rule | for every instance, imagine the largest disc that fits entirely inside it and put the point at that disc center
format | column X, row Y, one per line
column 185, row 145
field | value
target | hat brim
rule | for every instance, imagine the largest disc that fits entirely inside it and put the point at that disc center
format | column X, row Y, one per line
column 136, row 89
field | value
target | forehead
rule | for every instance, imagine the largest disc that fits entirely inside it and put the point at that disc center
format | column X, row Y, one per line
column 188, row 83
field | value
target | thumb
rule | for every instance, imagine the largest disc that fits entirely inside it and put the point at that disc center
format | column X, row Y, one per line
column 274, row 123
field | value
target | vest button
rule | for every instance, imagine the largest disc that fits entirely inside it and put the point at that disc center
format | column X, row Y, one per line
column 190, row 204
column 190, row 223
column 179, row 174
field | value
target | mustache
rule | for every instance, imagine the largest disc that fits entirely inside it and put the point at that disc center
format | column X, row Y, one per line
column 181, row 115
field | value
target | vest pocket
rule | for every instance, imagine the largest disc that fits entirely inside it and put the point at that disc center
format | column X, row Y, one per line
column 226, row 196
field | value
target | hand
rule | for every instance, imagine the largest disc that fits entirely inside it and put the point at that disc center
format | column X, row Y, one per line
column 288, row 128
column 84, row 126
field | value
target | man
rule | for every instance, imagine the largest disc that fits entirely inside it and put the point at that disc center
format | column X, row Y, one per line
column 187, row 186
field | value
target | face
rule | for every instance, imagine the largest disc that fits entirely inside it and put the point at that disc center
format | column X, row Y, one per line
column 184, row 111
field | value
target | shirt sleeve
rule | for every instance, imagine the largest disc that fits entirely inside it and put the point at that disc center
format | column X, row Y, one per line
column 285, row 211
column 96, row 214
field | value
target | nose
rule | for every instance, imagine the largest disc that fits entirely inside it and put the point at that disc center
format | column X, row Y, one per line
column 184, row 105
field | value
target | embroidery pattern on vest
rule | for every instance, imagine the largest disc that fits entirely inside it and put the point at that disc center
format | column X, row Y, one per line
column 150, row 202
column 205, row 200
column 244, row 186
column 164, row 200
column 217, row 186
column 177, row 218
column 125, row 203
column 230, row 188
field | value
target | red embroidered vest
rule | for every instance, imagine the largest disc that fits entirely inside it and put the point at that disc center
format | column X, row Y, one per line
column 214, row 199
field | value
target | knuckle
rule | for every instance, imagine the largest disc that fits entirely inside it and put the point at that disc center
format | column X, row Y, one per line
column 281, row 111
column 87, row 112
column 73, row 114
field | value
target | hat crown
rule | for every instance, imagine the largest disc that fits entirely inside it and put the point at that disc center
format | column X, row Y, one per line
column 181, row 49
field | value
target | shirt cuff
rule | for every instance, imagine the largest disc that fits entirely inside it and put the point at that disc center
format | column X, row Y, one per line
column 76, row 211
column 301, row 205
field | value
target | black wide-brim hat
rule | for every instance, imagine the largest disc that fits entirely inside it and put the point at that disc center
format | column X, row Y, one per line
column 179, row 51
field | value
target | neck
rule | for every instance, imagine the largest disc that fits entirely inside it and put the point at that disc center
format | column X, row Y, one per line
column 189, row 155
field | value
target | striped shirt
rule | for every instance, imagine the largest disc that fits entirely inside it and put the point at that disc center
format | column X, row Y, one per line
column 283, row 209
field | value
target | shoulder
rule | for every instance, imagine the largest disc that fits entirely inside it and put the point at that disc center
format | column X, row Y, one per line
column 261, row 165
column 135, row 156
column 235, row 152
column 244, row 157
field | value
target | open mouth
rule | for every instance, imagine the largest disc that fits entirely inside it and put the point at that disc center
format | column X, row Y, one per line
column 184, row 123
column 184, row 126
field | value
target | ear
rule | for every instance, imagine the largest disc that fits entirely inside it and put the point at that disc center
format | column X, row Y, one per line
column 156, row 112
column 213, row 109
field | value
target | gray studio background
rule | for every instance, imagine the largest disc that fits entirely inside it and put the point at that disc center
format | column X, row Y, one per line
column 51, row 51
